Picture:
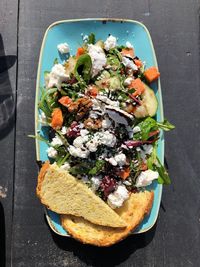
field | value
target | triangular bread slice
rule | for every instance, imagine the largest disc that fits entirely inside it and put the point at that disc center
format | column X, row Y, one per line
column 64, row 194
column 133, row 212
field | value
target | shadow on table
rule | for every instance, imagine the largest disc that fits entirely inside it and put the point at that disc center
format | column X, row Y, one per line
column 110, row 256
column 2, row 237
column 7, row 104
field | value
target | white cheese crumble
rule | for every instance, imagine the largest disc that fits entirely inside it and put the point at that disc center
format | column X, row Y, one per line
column 92, row 145
column 64, row 130
column 120, row 159
column 116, row 199
column 136, row 129
column 145, row 178
column 112, row 161
column 57, row 141
column 43, row 119
column 147, row 149
column 129, row 63
column 96, row 180
column 106, row 123
column 107, row 138
column 129, row 45
column 65, row 166
column 85, row 38
column 110, row 42
column 128, row 81
column 56, row 76
column 63, row 48
column 52, row 152
column 98, row 58
column 78, row 152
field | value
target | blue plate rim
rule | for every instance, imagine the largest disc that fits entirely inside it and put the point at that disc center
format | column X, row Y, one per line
column 37, row 94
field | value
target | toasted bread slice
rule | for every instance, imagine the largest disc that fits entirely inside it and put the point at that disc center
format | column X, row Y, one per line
column 133, row 212
column 64, row 194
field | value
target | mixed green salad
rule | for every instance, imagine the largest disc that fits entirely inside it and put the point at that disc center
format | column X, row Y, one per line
column 101, row 117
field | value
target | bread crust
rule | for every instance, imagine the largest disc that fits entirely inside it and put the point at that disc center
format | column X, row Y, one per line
column 132, row 212
column 41, row 176
column 62, row 193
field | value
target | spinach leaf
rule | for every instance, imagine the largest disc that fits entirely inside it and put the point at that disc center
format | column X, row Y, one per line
column 81, row 168
column 165, row 125
column 91, row 38
column 83, row 68
column 98, row 167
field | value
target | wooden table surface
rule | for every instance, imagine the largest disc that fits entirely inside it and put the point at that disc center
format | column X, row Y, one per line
column 25, row 238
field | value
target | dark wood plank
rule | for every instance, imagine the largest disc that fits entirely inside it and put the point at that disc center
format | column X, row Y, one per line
column 175, row 240
column 8, row 51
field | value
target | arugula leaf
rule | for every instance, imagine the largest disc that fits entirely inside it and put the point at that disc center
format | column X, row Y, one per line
column 83, row 67
column 40, row 138
column 98, row 167
column 163, row 174
column 60, row 160
column 91, row 38
column 165, row 125
column 146, row 126
column 152, row 159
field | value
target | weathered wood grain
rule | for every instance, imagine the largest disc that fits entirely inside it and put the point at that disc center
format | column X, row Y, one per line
column 8, row 51
column 174, row 26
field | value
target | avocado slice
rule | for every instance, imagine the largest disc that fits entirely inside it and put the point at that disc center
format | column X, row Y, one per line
column 149, row 104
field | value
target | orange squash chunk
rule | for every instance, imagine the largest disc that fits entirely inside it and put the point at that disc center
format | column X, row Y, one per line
column 151, row 74
column 57, row 119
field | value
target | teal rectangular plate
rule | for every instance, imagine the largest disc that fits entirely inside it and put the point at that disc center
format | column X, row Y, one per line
column 71, row 31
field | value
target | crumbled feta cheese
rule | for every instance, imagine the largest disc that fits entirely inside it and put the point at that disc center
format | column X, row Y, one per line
column 120, row 159
column 128, row 81
column 147, row 149
column 110, row 42
column 98, row 58
column 80, row 140
column 43, row 119
column 84, row 132
column 127, row 183
column 52, row 152
column 106, row 123
column 57, row 76
column 78, row 152
column 129, row 45
column 107, row 138
column 57, row 141
column 136, row 129
column 129, row 63
column 96, row 180
column 64, row 130
column 116, row 199
column 146, row 177
column 65, row 166
column 85, row 38
column 112, row 161
column 63, row 48
column 92, row 145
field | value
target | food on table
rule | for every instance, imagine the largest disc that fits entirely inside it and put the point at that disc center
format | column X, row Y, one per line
column 99, row 110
